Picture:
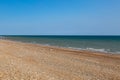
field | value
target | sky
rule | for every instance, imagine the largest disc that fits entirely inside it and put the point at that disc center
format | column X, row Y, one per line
column 59, row 17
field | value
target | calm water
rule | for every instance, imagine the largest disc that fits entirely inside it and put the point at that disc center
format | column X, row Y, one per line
column 95, row 43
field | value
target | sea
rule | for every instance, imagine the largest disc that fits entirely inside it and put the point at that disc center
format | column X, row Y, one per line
column 106, row 44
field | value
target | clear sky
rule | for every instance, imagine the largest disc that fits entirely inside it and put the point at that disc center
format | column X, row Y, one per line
column 60, row 17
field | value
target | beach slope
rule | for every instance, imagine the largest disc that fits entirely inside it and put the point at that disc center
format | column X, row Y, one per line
column 23, row 61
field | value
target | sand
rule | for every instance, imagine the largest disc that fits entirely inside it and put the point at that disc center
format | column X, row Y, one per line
column 23, row 61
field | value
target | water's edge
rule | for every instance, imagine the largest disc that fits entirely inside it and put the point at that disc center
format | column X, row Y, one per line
column 77, row 43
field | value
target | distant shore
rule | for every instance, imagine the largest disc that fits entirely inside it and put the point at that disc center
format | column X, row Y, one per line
column 31, row 61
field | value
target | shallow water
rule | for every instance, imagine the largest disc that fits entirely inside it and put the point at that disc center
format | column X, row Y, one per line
column 94, row 43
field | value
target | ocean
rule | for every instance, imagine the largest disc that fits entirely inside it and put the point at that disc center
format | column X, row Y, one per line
column 107, row 44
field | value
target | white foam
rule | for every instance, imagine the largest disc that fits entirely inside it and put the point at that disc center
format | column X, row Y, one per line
column 76, row 48
column 92, row 49
column 118, row 52
column 100, row 50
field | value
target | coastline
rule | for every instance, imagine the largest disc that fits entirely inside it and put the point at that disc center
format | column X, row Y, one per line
column 104, row 44
column 65, row 48
column 55, row 63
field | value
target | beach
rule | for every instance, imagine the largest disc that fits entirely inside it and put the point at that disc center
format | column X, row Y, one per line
column 26, row 61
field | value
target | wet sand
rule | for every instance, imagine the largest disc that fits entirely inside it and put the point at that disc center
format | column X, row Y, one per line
column 23, row 61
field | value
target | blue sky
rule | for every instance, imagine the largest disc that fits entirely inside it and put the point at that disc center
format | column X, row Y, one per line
column 60, row 17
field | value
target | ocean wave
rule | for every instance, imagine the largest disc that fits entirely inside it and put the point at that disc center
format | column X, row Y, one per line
column 118, row 52
column 89, row 49
column 92, row 49
column 100, row 50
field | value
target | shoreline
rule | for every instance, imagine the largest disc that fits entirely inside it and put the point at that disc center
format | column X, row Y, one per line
column 25, row 61
column 67, row 48
column 97, row 53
